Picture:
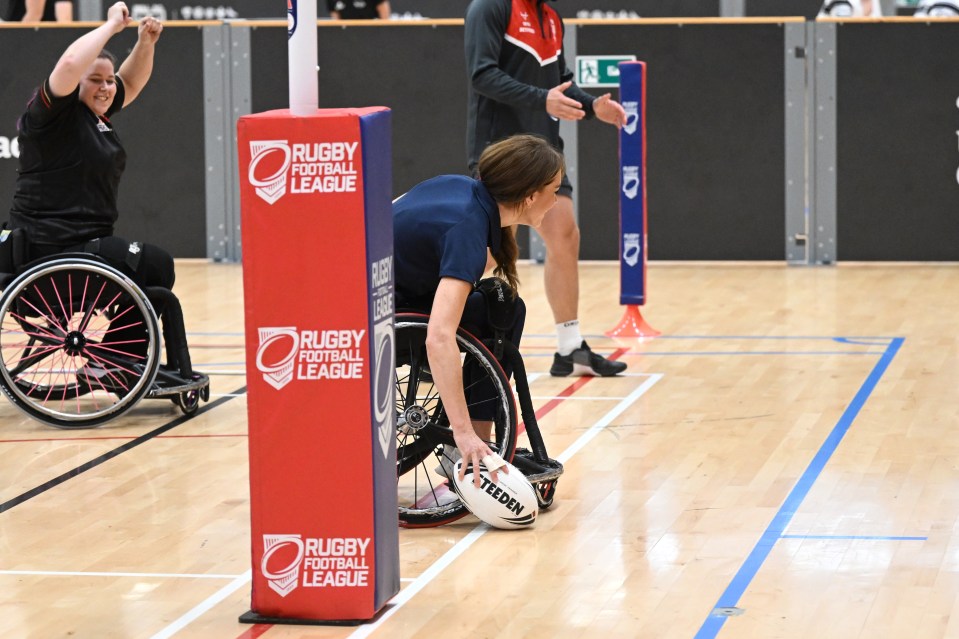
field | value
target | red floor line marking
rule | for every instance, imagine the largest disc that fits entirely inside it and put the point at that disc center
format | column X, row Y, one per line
column 567, row 392
column 547, row 407
column 531, row 347
column 255, row 631
column 123, row 437
column 229, row 346
column 208, row 436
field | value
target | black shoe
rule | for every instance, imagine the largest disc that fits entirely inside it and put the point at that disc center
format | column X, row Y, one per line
column 583, row 361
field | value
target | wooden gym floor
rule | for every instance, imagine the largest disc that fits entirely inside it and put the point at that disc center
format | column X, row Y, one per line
column 780, row 463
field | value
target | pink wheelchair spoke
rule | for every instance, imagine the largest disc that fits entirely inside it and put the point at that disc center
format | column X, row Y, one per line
column 78, row 343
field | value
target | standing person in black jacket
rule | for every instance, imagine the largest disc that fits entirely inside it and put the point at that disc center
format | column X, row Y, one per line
column 38, row 11
column 519, row 83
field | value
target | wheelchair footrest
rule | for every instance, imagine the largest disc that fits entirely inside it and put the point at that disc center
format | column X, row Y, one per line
column 536, row 471
column 169, row 383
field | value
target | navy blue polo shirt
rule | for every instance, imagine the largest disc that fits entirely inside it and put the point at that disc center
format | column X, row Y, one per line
column 442, row 228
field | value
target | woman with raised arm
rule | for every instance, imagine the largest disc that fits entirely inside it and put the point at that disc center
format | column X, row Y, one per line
column 71, row 158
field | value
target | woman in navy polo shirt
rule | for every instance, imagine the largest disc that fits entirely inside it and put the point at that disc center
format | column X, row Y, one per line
column 444, row 230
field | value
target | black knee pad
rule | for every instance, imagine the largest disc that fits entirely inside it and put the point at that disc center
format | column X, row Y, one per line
column 157, row 267
column 147, row 264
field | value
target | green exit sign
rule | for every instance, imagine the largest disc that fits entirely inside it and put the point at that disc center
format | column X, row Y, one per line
column 599, row 70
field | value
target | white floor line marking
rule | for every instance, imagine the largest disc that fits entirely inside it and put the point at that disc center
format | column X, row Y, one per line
column 204, row 606
column 162, row 575
column 548, row 398
column 422, row 581
column 438, row 566
column 460, row 547
column 618, row 410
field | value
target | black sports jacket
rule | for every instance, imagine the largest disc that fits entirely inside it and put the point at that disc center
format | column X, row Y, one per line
column 514, row 56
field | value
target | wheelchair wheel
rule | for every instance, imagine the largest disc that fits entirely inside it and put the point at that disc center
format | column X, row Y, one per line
column 188, row 401
column 79, row 342
column 425, row 496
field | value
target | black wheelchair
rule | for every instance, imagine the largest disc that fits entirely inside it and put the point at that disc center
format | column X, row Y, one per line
column 81, row 342
column 423, row 431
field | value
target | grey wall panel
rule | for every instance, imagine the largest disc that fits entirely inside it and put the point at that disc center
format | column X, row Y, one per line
column 797, row 55
column 162, row 193
column 897, row 120
column 715, row 152
column 823, row 148
column 218, row 125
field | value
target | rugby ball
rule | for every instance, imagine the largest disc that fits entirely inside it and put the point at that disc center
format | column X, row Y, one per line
column 508, row 503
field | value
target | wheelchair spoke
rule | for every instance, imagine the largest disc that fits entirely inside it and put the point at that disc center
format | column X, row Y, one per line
column 56, row 292
column 80, row 342
column 424, row 437
column 91, row 311
column 39, row 334
column 105, row 349
column 30, row 361
column 51, row 320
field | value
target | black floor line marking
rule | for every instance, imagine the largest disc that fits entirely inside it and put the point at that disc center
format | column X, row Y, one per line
column 93, row 463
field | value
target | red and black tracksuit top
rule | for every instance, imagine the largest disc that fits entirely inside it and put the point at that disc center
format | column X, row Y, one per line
column 514, row 56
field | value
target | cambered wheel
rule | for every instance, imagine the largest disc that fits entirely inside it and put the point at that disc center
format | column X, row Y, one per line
column 423, row 432
column 188, row 401
column 79, row 343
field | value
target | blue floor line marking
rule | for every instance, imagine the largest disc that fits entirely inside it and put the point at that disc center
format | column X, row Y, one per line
column 854, row 537
column 865, row 341
column 734, row 591
column 724, row 353
column 829, row 338
column 850, row 339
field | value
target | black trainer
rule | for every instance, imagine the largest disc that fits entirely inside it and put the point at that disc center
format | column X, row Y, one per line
column 583, row 361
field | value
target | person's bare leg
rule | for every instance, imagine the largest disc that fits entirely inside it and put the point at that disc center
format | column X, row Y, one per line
column 561, row 273
column 561, row 235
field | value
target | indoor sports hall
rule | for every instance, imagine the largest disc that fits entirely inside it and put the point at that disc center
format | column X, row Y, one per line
column 777, row 460
column 777, row 463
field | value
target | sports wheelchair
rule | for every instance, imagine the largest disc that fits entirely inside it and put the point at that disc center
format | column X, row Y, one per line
column 80, row 341
column 423, row 431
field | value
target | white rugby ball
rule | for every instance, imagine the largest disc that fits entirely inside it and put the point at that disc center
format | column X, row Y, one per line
column 508, row 503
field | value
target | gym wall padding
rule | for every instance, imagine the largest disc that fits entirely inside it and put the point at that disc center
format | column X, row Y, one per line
column 418, row 71
column 715, row 153
column 805, row 8
column 897, row 117
column 715, row 118
column 702, row 205
column 162, row 196
column 250, row 9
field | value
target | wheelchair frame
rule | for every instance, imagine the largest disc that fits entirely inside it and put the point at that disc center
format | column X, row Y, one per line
column 423, row 433
column 80, row 343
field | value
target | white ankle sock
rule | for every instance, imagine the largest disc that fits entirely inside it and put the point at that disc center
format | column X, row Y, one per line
column 568, row 337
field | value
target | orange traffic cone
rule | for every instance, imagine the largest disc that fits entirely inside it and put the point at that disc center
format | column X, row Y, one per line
column 632, row 325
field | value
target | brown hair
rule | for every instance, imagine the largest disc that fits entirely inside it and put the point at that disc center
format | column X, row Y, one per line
column 106, row 55
column 512, row 170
